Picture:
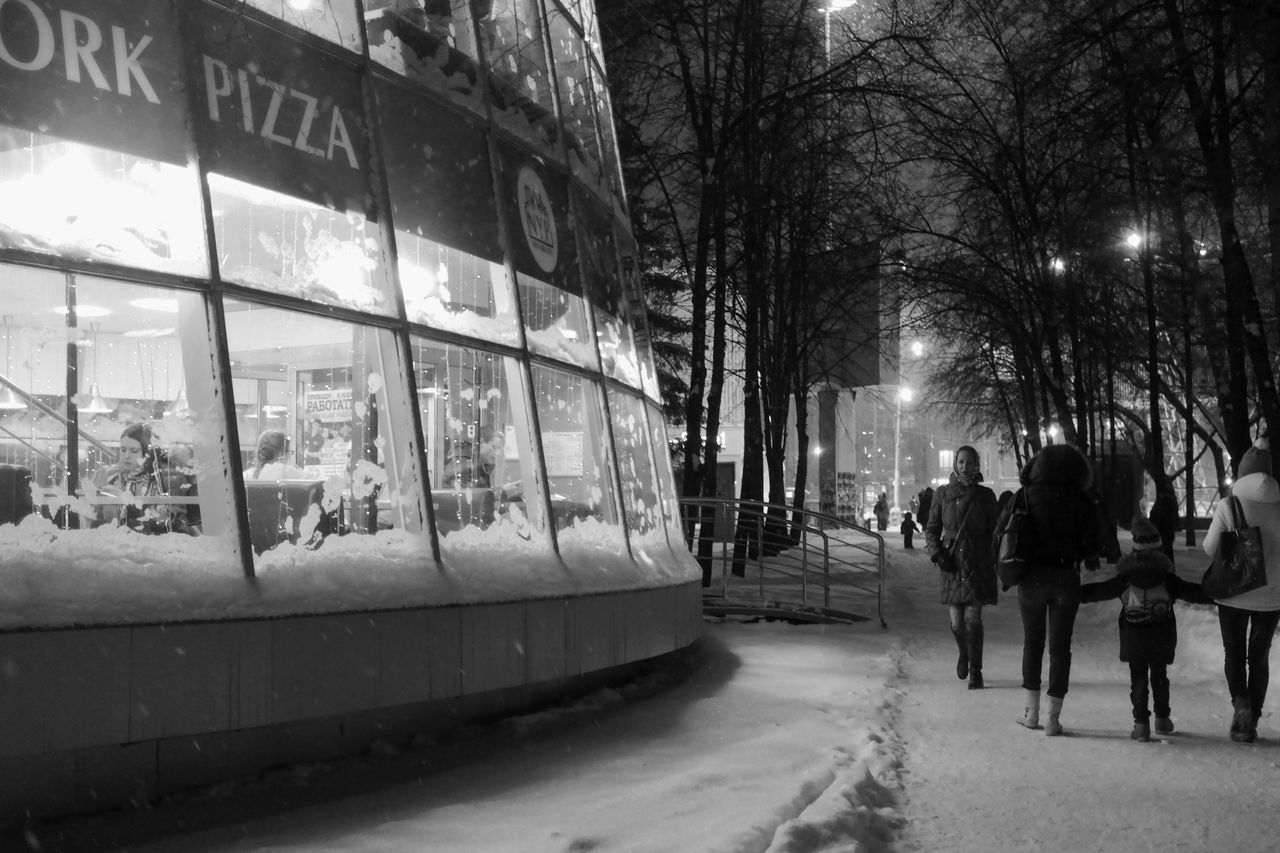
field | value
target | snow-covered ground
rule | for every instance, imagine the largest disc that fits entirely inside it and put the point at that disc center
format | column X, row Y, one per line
column 787, row 739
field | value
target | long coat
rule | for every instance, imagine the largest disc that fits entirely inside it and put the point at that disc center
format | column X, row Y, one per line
column 974, row 506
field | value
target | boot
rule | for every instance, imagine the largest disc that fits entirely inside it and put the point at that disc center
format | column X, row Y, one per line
column 1164, row 726
column 1031, row 712
column 975, row 658
column 962, row 663
column 1242, row 725
column 1141, row 731
column 1053, row 728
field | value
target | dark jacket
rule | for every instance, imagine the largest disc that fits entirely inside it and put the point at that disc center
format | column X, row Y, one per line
column 1153, row 642
column 974, row 506
column 1064, row 529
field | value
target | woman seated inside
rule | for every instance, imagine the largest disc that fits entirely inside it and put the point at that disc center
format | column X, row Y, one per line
column 142, row 471
column 269, row 461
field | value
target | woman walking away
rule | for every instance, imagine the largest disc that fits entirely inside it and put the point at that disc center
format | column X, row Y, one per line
column 1248, row 621
column 1063, row 533
column 962, row 517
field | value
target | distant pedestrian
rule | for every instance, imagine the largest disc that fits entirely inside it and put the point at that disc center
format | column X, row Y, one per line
column 1056, row 487
column 1147, row 586
column 925, row 499
column 958, row 534
column 881, row 511
column 909, row 528
column 1248, row 621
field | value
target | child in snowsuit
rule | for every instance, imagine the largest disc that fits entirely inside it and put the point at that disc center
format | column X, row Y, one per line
column 908, row 528
column 1147, row 586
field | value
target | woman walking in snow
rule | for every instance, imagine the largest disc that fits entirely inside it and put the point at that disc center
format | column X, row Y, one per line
column 1063, row 533
column 1248, row 621
column 962, row 517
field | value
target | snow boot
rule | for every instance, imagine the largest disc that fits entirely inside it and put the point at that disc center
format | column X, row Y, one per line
column 1141, row 731
column 1052, row 727
column 1243, row 728
column 975, row 658
column 1031, row 712
column 962, row 663
column 1164, row 726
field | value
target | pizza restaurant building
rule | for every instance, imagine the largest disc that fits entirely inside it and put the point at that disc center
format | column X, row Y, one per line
column 327, row 406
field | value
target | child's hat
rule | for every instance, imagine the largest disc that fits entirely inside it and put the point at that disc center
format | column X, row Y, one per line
column 1145, row 535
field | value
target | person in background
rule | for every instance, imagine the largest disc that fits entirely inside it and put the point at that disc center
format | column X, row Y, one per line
column 1056, row 484
column 270, row 459
column 881, row 511
column 488, row 473
column 1248, row 621
column 958, row 534
column 925, row 500
column 909, row 528
column 1147, row 586
column 137, row 474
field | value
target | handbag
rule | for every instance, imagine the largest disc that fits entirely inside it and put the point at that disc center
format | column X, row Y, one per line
column 1011, row 556
column 1237, row 566
column 948, row 563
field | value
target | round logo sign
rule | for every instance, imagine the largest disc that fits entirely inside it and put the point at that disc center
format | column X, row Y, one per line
column 537, row 219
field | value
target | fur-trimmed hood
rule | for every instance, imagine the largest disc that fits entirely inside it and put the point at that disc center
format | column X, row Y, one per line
column 1058, row 464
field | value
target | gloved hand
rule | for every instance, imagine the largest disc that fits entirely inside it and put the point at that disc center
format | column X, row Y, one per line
column 945, row 562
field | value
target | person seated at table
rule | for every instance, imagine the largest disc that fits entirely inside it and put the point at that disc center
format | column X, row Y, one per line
column 137, row 474
column 269, row 460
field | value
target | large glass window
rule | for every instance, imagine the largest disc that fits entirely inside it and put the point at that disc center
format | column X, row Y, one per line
column 638, row 478
column 286, row 245
column 579, row 465
column 485, row 486
column 431, row 42
column 556, row 322
column 665, row 478
column 326, row 453
column 108, row 405
column 573, row 81
column 77, row 201
column 334, row 20
column 446, row 218
column 520, row 85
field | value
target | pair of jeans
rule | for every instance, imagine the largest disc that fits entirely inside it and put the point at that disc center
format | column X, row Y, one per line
column 1138, row 692
column 1048, row 598
column 1246, row 646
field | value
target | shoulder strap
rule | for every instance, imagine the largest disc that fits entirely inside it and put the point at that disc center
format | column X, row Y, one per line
column 1238, row 521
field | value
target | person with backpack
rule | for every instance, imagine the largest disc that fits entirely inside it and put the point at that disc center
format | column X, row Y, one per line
column 1248, row 621
column 962, row 517
column 1063, row 533
column 1147, row 586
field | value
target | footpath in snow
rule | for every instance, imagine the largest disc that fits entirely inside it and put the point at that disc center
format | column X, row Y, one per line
column 778, row 738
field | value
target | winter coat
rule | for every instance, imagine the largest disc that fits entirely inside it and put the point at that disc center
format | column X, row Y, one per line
column 1260, row 500
column 974, row 505
column 1065, row 525
column 1153, row 642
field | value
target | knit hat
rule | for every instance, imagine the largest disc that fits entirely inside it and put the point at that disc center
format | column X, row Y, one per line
column 1145, row 536
column 1256, row 460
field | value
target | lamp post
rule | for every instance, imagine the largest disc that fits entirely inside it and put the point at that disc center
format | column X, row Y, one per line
column 904, row 395
column 832, row 6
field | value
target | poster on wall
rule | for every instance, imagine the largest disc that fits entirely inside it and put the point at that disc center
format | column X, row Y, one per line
column 276, row 112
column 102, row 72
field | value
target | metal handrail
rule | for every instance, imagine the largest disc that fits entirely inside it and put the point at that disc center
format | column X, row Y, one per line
column 769, row 556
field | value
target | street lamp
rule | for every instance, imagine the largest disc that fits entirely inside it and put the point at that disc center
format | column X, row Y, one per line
column 832, row 6
column 904, row 396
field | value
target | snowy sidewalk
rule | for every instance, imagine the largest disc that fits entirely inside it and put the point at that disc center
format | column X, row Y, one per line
column 787, row 739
